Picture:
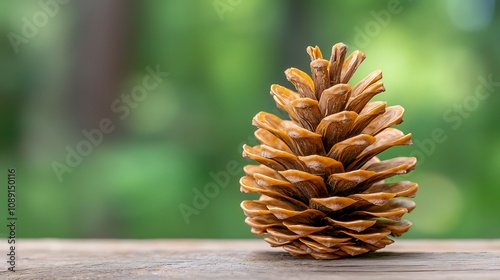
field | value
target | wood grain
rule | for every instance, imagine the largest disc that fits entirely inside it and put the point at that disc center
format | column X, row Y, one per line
column 247, row 259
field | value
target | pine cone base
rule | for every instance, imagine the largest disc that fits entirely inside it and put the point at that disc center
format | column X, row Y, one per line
column 322, row 187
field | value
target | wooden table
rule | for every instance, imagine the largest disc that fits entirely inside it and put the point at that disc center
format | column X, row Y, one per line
column 245, row 259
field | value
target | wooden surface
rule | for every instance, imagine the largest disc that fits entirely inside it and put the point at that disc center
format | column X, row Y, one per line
column 246, row 259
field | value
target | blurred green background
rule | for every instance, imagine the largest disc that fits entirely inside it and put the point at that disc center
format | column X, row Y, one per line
column 64, row 64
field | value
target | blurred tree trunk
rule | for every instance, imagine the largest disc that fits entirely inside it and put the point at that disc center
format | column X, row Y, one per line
column 101, row 47
column 101, row 51
column 298, row 32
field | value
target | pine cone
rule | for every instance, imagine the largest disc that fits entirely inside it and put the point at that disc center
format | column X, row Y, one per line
column 322, row 189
